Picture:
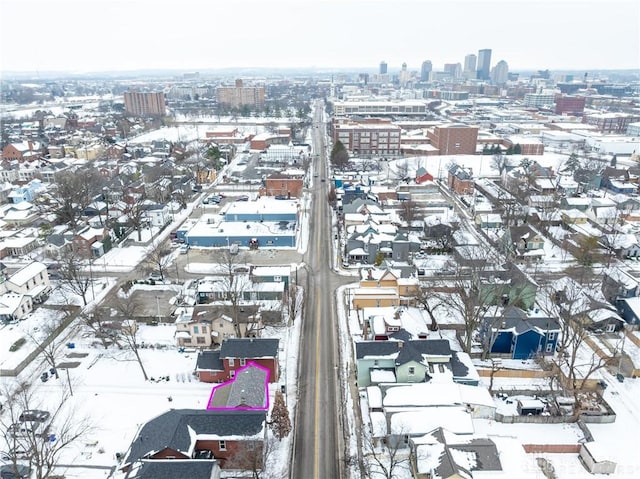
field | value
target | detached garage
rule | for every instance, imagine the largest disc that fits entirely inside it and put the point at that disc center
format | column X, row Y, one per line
column 596, row 458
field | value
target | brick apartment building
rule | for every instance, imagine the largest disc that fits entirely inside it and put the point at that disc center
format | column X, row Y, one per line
column 239, row 95
column 372, row 137
column 570, row 105
column 611, row 122
column 454, row 139
column 145, row 104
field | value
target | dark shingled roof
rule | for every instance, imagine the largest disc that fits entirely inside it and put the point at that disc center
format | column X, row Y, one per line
column 410, row 350
column 172, row 469
column 171, row 429
column 209, row 361
column 249, row 348
column 375, row 348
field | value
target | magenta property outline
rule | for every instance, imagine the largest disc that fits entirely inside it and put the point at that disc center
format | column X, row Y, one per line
column 239, row 408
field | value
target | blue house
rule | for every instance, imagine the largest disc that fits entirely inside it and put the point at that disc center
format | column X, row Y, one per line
column 519, row 334
column 25, row 193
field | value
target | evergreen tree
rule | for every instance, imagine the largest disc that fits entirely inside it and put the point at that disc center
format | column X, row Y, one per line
column 339, row 156
column 614, row 161
column 280, row 423
column 485, row 149
column 517, row 150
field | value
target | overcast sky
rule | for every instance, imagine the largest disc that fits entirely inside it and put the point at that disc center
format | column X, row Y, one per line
column 112, row 35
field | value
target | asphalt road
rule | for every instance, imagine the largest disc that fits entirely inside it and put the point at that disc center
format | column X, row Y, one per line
column 319, row 433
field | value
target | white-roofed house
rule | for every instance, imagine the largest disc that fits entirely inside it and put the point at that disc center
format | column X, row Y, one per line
column 14, row 307
column 31, row 280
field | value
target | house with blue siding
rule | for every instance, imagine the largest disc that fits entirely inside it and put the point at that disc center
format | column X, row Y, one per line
column 520, row 334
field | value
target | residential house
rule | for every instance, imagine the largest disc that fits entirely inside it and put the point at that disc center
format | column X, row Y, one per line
column 24, row 151
column 446, row 455
column 621, row 245
column 192, row 331
column 14, row 307
column 381, row 280
column 235, row 353
column 92, row 242
column 460, row 180
column 604, row 211
column 523, row 243
column 247, row 390
column 185, row 434
column 197, row 468
column 573, row 217
column 158, row 215
column 205, row 326
column 31, row 280
column 617, row 284
column 271, row 274
column 519, row 334
column 423, row 175
column 411, row 361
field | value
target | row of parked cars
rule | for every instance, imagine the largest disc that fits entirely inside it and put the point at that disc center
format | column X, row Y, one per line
column 31, row 423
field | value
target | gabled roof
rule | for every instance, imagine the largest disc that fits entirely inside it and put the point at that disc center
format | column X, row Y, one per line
column 172, row 469
column 172, row 429
column 209, row 361
column 249, row 348
column 247, row 390
column 408, row 351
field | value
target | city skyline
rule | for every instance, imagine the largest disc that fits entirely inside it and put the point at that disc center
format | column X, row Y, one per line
column 114, row 35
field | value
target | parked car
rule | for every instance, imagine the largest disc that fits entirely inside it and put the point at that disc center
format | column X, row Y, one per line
column 34, row 415
column 155, row 277
column 20, row 471
column 184, row 249
column 243, row 198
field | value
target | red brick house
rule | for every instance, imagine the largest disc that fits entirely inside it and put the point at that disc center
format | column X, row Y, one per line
column 26, row 150
column 234, row 438
column 460, row 180
column 234, row 354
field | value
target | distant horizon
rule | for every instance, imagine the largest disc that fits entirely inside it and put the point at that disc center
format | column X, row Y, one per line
column 133, row 35
column 43, row 75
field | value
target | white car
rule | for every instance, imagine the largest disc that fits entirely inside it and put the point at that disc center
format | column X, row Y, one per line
column 184, row 249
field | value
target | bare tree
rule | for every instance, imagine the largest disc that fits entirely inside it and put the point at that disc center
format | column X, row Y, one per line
column 409, row 211
column 101, row 325
column 402, row 169
column 47, row 342
column 424, row 297
column 73, row 276
column 295, row 301
column 128, row 328
column 75, row 191
column 500, row 162
column 37, row 442
column 255, row 457
column 235, row 282
column 159, row 258
column 135, row 211
column 567, row 300
column 390, row 458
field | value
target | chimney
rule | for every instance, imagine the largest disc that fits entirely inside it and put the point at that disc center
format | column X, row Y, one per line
column 400, row 344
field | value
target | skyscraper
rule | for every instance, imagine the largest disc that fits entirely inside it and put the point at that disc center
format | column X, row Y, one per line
column 425, row 71
column 484, row 64
column 470, row 63
column 383, row 68
column 500, row 73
